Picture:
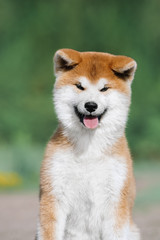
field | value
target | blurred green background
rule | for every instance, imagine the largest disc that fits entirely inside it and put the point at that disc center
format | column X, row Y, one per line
column 30, row 33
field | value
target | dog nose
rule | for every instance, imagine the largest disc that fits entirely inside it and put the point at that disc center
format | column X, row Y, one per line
column 91, row 106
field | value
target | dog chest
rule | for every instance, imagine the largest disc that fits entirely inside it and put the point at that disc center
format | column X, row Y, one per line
column 88, row 189
column 87, row 184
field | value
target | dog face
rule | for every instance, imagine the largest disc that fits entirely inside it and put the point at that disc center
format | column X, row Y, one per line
column 92, row 90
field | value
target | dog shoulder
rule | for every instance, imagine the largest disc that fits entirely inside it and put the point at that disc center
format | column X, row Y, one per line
column 128, row 192
column 57, row 142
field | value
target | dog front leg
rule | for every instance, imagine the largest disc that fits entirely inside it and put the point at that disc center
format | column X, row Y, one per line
column 52, row 219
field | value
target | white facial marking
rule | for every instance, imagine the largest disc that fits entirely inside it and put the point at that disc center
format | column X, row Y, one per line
column 114, row 103
column 87, row 84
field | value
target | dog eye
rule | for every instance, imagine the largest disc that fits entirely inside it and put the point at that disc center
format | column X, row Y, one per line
column 79, row 86
column 104, row 89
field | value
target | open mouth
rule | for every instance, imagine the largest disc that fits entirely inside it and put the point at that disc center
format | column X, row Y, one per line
column 89, row 121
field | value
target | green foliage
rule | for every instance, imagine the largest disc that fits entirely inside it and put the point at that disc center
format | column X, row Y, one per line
column 31, row 31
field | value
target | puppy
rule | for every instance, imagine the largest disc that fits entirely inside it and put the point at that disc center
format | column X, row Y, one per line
column 87, row 187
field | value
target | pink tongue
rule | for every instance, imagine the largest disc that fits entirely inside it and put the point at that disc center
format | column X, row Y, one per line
column 90, row 122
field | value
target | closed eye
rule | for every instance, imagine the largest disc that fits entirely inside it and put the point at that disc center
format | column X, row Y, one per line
column 79, row 86
column 104, row 89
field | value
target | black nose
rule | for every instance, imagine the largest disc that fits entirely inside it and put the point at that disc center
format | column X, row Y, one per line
column 91, row 106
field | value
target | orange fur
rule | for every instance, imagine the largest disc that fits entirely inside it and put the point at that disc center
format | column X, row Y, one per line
column 126, row 202
column 94, row 66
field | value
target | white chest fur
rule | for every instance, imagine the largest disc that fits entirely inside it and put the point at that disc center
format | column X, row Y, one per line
column 88, row 189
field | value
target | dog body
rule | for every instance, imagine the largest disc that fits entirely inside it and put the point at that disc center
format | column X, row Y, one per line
column 87, row 184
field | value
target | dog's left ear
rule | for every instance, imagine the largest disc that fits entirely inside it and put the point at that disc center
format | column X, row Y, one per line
column 124, row 67
column 65, row 60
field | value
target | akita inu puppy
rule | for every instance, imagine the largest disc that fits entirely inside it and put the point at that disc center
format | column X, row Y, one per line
column 87, row 186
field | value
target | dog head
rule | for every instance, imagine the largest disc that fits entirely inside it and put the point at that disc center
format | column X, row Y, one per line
column 92, row 90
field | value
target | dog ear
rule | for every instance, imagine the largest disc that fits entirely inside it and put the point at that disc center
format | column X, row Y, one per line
column 65, row 60
column 124, row 67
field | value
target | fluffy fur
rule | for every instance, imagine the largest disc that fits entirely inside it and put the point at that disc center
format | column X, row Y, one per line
column 87, row 184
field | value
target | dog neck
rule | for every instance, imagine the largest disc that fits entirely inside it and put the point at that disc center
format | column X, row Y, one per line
column 92, row 142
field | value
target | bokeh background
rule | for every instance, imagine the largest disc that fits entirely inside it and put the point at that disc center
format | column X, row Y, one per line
column 30, row 33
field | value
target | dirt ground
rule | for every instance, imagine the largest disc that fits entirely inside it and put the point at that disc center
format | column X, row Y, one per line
column 18, row 217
